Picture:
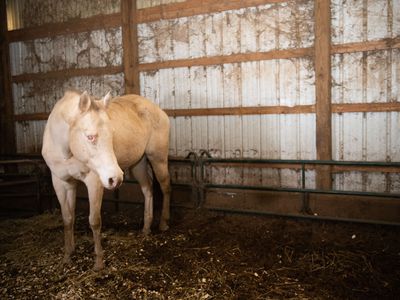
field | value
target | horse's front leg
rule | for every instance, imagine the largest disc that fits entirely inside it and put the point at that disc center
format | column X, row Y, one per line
column 95, row 192
column 66, row 195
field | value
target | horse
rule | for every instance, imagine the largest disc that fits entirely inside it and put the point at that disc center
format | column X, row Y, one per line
column 93, row 140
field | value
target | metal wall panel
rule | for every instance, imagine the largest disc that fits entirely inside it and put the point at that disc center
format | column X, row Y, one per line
column 29, row 136
column 260, row 28
column 242, row 84
column 99, row 48
column 362, row 20
column 150, row 3
column 40, row 96
column 30, row 13
column 276, row 82
column 368, row 77
column 366, row 137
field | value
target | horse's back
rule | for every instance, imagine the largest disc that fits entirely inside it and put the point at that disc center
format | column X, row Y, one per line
column 138, row 109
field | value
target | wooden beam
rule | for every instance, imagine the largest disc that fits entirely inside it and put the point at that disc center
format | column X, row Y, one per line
column 385, row 44
column 227, row 59
column 31, row 117
column 239, row 111
column 366, row 107
column 130, row 47
column 195, row 7
column 64, row 28
column 297, row 167
column 322, row 61
column 274, row 54
column 255, row 110
column 193, row 112
column 7, row 130
column 67, row 73
column 270, row 110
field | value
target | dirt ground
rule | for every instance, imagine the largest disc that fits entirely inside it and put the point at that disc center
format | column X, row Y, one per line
column 205, row 255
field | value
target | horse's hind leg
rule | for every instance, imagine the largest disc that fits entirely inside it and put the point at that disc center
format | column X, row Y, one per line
column 66, row 194
column 140, row 172
column 160, row 168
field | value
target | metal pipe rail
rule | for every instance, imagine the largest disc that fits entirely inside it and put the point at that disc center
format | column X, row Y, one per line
column 300, row 161
column 35, row 178
column 199, row 182
column 205, row 159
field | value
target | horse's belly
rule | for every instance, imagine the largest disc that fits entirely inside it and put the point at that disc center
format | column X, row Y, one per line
column 127, row 161
column 129, row 154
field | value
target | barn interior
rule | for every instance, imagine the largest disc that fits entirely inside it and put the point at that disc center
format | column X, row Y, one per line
column 284, row 151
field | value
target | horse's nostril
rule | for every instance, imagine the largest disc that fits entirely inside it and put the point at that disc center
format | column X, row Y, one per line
column 114, row 182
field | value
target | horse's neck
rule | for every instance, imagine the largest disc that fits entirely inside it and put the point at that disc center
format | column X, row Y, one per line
column 68, row 109
column 63, row 115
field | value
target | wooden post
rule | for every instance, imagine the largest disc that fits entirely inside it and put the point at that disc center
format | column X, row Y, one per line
column 323, row 107
column 130, row 46
column 7, row 131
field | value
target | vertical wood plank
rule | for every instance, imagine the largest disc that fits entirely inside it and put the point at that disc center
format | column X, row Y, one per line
column 130, row 46
column 323, row 90
column 7, row 130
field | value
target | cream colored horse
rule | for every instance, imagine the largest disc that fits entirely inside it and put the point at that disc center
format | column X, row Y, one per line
column 93, row 141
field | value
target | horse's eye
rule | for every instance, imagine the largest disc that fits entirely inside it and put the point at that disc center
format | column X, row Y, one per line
column 92, row 138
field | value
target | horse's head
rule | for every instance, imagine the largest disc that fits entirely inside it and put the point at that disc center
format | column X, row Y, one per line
column 91, row 140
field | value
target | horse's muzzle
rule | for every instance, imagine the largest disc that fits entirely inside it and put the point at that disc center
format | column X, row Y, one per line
column 114, row 182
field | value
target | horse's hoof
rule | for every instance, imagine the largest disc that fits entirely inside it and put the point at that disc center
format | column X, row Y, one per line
column 146, row 232
column 67, row 260
column 98, row 265
column 164, row 227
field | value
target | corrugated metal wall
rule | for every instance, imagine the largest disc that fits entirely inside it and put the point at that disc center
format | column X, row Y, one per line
column 151, row 3
column 286, row 82
column 30, row 13
column 359, row 77
column 366, row 77
column 98, row 48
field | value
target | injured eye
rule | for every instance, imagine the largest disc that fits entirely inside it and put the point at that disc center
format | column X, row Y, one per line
column 92, row 138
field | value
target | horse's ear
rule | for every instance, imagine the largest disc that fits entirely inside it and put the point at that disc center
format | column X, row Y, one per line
column 84, row 102
column 106, row 99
